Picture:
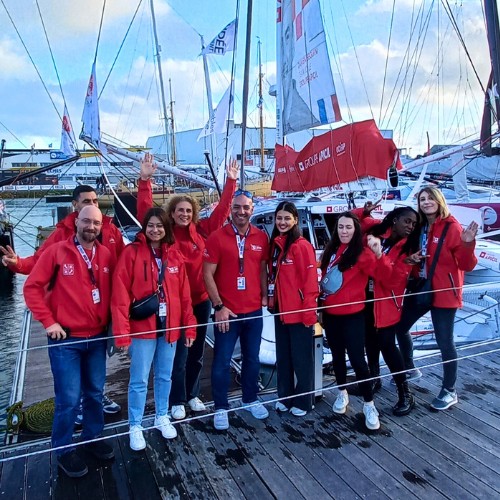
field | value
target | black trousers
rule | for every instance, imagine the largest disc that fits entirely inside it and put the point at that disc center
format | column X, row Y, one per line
column 346, row 332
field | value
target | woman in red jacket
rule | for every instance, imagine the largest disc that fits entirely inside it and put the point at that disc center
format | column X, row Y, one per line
column 151, row 340
column 346, row 265
column 293, row 290
column 190, row 234
column 457, row 256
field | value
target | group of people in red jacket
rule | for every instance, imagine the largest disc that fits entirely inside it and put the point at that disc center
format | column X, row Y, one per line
column 184, row 267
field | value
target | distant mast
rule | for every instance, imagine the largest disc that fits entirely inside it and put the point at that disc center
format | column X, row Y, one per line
column 261, row 112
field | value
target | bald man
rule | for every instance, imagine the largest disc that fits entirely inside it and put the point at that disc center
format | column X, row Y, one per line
column 68, row 291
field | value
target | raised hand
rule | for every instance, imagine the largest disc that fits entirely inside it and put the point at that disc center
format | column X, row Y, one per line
column 375, row 245
column 9, row 257
column 148, row 167
column 232, row 169
column 469, row 235
column 370, row 206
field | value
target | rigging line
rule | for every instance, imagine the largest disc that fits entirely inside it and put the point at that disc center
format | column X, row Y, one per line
column 100, row 30
column 387, row 60
column 30, row 58
column 357, row 60
column 13, row 135
column 52, row 57
column 120, row 48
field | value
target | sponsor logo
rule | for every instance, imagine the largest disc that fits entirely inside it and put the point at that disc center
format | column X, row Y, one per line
column 205, row 253
column 487, row 256
column 282, row 170
column 336, row 209
column 68, row 269
column 435, row 239
column 287, row 262
column 256, row 248
column 105, row 270
column 173, row 269
column 340, row 149
column 316, row 158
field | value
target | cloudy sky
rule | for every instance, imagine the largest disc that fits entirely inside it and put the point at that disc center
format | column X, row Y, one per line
column 419, row 82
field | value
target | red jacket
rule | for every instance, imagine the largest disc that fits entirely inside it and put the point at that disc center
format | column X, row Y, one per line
column 110, row 237
column 70, row 302
column 296, row 283
column 455, row 258
column 352, row 293
column 190, row 240
column 136, row 277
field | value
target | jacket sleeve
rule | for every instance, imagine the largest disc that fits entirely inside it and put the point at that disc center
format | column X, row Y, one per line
column 309, row 281
column 463, row 252
column 221, row 211
column 188, row 319
column 391, row 273
column 121, row 297
column 119, row 243
column 35, row 288
column 144, row 199
column 366, row 221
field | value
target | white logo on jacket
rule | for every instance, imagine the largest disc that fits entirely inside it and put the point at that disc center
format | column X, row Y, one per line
column 173, row 269
column 256, row 248
column 435, row 239
column 68, row 269
column 287, row 262
column 112, row 240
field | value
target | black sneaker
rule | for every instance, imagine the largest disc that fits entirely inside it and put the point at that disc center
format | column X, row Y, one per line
column 109, row 406
column 100, row 450
column 72, row 465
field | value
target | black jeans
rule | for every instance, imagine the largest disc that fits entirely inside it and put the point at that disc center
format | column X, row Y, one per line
column 188, row 362
column 372, row 341
column 294, row 358
column 443, row 321
column 391, row 353
column 346, row 332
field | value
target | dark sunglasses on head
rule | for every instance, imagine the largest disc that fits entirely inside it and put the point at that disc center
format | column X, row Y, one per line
column 243, row 192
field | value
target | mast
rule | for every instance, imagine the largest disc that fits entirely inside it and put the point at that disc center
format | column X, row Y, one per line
column 160, row 74
column 245, row 91
column 172, row 124
column 261, row 117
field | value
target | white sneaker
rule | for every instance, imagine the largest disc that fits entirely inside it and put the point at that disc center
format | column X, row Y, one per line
column 297, row 412
column 280, row 407
column 137, row 441
column 258, row 410
column 341, row 402
column 178, row 412
column 196, row 404
column 221, row 422
column 371, row 416
column 166, row 428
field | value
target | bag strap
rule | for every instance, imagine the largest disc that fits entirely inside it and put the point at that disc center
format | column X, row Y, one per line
column 438, row 251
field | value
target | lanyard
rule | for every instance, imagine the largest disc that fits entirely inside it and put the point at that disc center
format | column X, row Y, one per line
column 274, row 263
column 423, row 246
column 386, row 246
column 87, row 261
column 160, row 266
column 240, row 243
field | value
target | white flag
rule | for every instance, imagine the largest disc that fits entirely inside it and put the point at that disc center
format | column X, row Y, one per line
column 217, row 121
column 91, row 130
column 223, row 42
column 67, row 142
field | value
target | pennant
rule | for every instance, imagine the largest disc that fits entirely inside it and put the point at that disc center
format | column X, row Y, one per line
column 217, row 122
column 91, row 129
column 223, row 42
column 67, row 143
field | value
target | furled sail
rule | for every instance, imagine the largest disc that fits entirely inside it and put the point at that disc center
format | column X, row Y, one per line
column 308, row 91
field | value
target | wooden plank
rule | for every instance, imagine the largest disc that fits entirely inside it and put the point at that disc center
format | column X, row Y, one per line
column 13, row 480
column 38, row 476
column 62, row 485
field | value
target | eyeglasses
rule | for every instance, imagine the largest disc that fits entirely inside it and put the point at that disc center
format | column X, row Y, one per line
column 243, row 192
column 87, row 222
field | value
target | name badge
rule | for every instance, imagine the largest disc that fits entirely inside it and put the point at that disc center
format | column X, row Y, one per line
column 162, row 311
column 270, row 289
column 96, row 296
column 240, row 283
column 370, row 285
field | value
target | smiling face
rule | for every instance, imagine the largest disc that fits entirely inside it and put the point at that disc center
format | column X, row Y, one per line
column 404, row 224
column 285, row 221
column 427, row 204
column 155, row 231
column 182, row 214
column 88, row 225
column 241, row 211
column 345, row 228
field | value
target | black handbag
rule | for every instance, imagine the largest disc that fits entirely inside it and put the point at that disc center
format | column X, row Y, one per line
column 419, row 290
column 149, row 305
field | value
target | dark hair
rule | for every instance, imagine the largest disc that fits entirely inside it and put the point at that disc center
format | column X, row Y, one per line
column 162, row 215
column 291, row 236
column 354, row 249
column 82, row 189
column 412, row 242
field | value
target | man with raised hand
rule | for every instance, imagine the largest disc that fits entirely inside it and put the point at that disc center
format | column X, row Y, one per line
column 69, row 291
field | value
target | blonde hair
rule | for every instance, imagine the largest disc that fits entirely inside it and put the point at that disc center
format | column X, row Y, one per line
column 172, row 203
column 437, row 196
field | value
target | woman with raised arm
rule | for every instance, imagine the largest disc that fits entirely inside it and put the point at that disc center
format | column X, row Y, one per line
column 151, row 271
column 293, row 290
column 190, row 234
column 440, row 234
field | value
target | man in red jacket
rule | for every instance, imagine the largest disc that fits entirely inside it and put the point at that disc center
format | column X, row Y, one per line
column 69, row 292
column 110, row 237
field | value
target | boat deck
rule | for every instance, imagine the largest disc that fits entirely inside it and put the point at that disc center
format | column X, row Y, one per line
column 452, row 454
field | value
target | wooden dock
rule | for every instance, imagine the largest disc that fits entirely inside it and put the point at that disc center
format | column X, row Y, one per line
column 452, row 454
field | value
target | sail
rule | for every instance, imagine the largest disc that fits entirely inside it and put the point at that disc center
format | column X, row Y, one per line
column 309, row 98
column 342, row 155
column 91, row 129
column 216, row 124
column 223, row 42
column 67, row 143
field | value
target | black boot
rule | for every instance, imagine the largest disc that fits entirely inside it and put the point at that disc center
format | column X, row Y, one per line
column 406, row 401
column 377, row 382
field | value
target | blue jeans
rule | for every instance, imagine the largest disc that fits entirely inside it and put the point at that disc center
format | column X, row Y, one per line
column 249, row 331
column 143, row 353
column 188, row 361
column 79, row 369
column 443, row 320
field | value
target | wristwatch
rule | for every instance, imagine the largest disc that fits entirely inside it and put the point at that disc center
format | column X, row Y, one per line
column 218, row 307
